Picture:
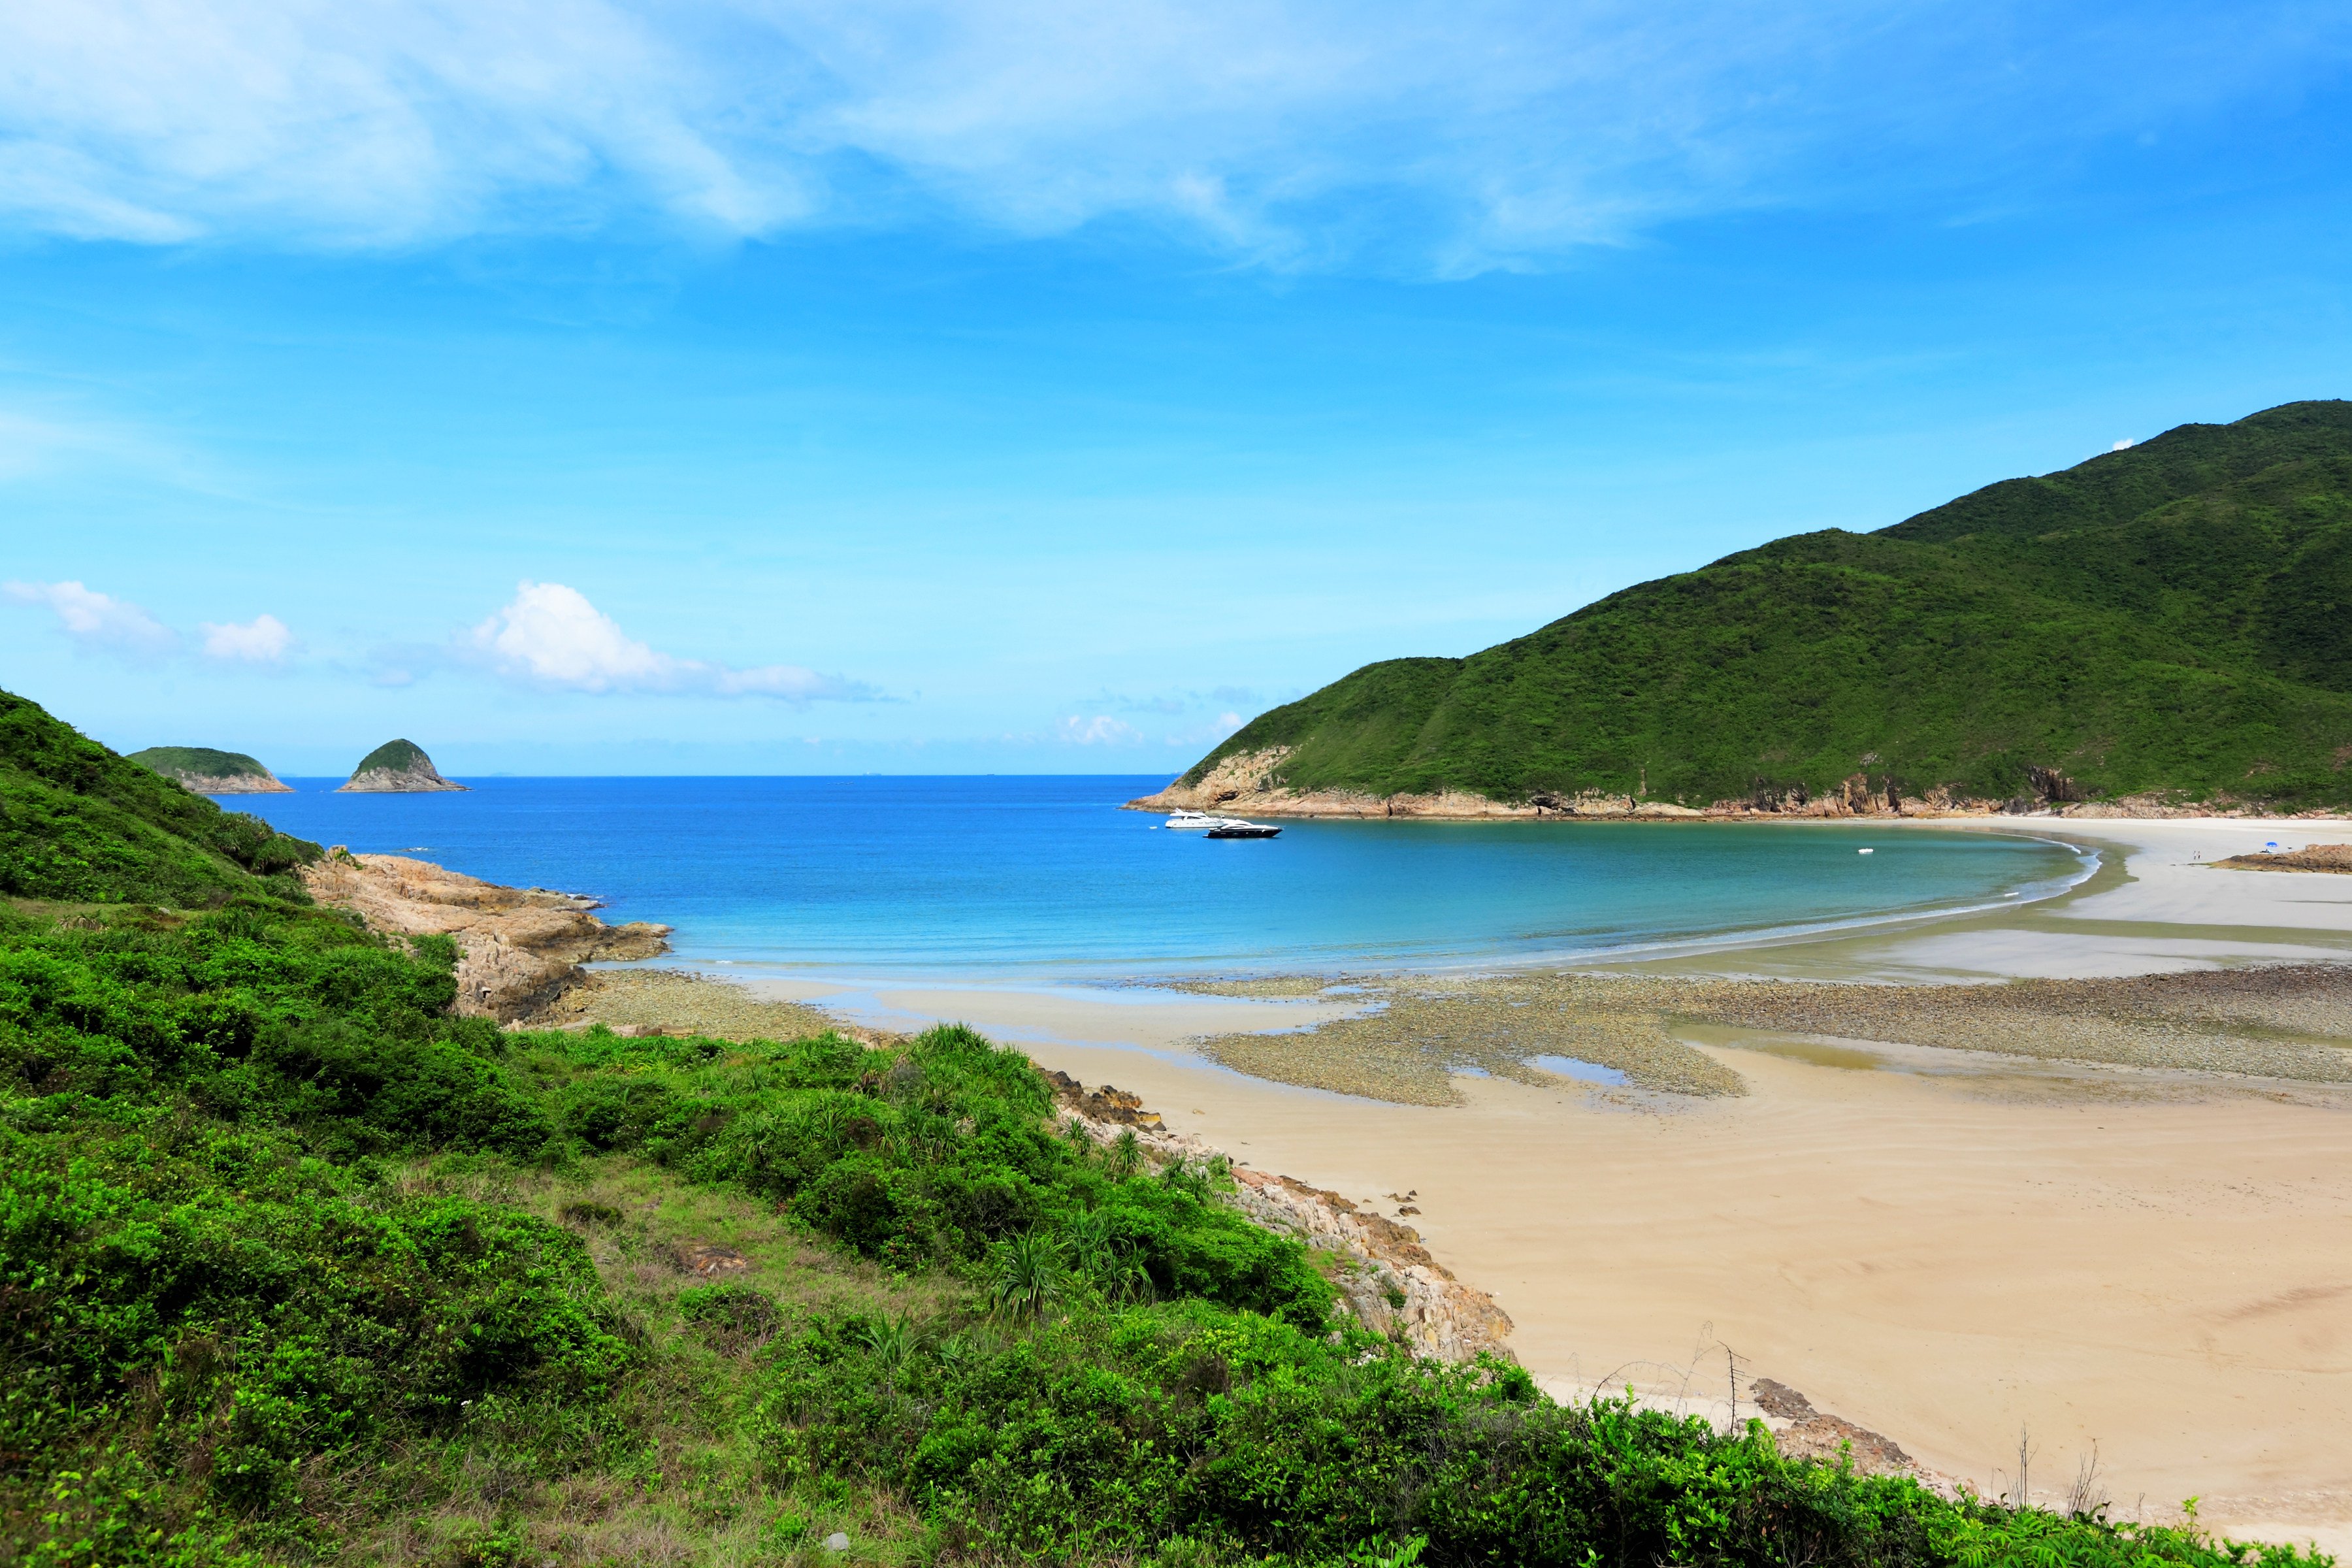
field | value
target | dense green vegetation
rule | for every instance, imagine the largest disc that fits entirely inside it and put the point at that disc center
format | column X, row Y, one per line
column 181, row 762
column 399, row 756
column 80, row 824
column 2173, row 618
column 294, row 1265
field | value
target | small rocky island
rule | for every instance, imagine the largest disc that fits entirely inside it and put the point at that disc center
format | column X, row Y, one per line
column 396, row 767
column 206, row 772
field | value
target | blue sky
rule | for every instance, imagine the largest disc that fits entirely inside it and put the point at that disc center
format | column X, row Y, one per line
column 901, row 387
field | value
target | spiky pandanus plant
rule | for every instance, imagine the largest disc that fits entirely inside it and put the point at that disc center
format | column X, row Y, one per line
column 1032, row 1277
column 1114, row 1264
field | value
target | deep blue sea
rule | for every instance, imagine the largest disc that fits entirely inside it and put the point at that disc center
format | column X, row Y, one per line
column 1046, row 876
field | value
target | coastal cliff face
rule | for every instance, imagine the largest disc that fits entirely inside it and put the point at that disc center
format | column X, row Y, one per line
column 397, row 767
column 1249, row 784
column 233, row 783
column 518, row 948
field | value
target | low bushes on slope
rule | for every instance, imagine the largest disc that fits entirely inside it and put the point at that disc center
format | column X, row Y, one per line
column 236, row 1317
column 80, row 824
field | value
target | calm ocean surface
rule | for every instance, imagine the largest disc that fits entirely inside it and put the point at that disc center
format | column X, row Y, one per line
column 1008, row 876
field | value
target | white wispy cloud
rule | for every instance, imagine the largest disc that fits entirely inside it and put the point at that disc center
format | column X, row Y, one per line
column 263, row 639
column 1289, row 131
column 98, row 620
column 1099, row 730
column 551, row 635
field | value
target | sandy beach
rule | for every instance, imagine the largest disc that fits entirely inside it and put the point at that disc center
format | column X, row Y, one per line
column 1945, row 1245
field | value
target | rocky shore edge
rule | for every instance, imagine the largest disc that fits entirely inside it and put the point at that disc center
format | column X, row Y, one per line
column 1390, row 1282
column 1246, row 784
column 232, row 783
column 519, row 952
column 519, row 949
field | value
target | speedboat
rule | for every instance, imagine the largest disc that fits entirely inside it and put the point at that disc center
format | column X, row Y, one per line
column 1234, row 827
column 1193, row 821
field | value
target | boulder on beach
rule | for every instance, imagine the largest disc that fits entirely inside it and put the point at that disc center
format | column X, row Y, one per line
column 207, row 771
column 397, row 767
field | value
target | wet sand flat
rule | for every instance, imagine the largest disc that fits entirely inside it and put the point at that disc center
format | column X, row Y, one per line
column 1938, row 1243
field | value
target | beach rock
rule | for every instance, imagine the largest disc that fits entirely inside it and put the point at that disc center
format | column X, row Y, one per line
column 1107, row 1104
column 1803, row 1432
column 397, row 767
column 518, row 948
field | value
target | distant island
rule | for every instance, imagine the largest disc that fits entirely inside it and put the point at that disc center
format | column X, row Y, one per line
column 2165, row 626
column 207, row 771
column 396, row 767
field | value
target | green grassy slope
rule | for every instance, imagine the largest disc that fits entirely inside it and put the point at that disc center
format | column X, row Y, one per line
column 2176, row 618
column 296, row 1268
column 198, row 762
column 80, row 824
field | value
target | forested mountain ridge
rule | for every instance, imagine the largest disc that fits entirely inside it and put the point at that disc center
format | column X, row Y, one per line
column 2172, row 621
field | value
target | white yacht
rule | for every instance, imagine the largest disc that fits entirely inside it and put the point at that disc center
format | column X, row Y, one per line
column 1194, row 821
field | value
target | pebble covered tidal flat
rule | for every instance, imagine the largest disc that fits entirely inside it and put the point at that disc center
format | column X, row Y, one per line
column 1419, row 1035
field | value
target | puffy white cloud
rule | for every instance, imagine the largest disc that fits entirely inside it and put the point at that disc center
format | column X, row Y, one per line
column 550, row 634
column 261, row 641
column 1289, row 130
column 2124, row 445
column 96, row 619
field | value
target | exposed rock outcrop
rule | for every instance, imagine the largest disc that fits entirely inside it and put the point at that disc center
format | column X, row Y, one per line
column 2313, row 858
column 1390, row 1282
column 1803, row 1432
column 205, row 771
column 2051, row 786
column 397, row 767
column 518, row 948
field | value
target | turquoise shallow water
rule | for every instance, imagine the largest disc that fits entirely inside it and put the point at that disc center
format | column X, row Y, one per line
column 1046, row 877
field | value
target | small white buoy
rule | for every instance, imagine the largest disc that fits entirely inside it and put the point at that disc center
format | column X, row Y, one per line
column 1865, row 851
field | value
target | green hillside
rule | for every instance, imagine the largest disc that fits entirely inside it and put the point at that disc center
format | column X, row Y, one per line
column 199, row 762
column 2174, row 617
column 297, row 1267
column 399, row 756
column 81, row 825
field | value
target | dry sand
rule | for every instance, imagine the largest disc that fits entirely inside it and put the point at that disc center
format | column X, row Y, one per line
column 1943, row 1245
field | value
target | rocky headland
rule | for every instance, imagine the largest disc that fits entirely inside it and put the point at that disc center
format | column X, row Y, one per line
column 519, row 949
column 203, row 771
column 1248, row 784
column 397, row 767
